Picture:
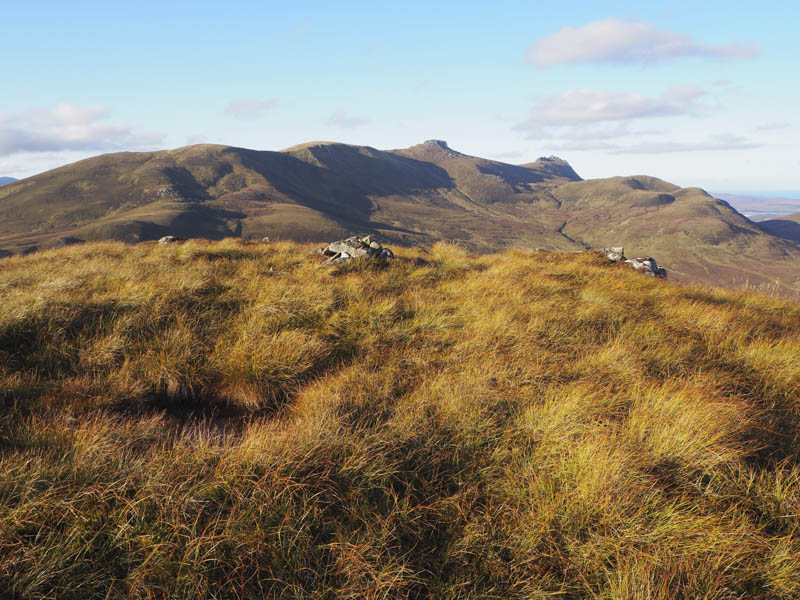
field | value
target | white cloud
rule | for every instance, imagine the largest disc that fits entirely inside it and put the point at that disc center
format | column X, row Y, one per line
column 341, row 119
column 773, row 126
column 615, row 41
column 66, row 127
column 196, row 138
column 582, row 138
column 719, row 142
column 582, row 145
column 249, row 109
column 725, row 141
column 585, row 106
column 507, row 155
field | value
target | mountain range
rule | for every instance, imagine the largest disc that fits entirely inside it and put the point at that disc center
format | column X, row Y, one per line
column 321, row 191
column 6, row 180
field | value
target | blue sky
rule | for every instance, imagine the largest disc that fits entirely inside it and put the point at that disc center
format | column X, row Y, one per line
column 698, row 93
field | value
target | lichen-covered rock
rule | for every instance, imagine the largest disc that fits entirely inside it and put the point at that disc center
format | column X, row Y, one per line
column 648, row 265
column 355, row 247
column 614, row 254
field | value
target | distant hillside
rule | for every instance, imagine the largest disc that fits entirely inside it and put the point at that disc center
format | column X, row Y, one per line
column 414, row 196
column 787, row 227
column 6, row 180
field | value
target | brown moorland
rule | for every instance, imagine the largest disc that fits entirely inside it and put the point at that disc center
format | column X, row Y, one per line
column 223, row 419
column 413, row 197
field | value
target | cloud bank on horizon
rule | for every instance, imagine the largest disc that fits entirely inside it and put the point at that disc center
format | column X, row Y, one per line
column 249, row 109
column 66, row 127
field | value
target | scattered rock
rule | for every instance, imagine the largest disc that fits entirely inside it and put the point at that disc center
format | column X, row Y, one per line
column 355, row 247
column 66, row 241
column 646, row 265
column 614, row 254
column 168, row 239
column 167, row 192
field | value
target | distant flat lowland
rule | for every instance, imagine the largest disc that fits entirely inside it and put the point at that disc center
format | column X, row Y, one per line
column 758, row 207
column 415, row 196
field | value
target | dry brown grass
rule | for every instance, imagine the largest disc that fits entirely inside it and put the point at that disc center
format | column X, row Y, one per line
column 238, row 421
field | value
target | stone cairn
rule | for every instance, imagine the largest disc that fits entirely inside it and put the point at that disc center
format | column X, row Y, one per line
column 648, row 266
column 355, row 247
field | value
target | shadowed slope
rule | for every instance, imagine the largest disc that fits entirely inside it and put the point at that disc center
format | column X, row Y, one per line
column 416, row 196
column 787, row 227
column 309, row 191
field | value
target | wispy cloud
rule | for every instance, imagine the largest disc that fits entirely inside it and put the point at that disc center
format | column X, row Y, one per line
column 585, row 107
column 249, row 109
column 581, row 138
column 616, row 41
column 196, row 138
column 507, row 155
column 66, row 127
column 341, row 119
column 773, row 126
column 297, row 34
column 721, row 142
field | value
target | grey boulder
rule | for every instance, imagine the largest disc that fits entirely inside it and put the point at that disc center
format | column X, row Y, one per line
column 648, row 265
column 355, row 247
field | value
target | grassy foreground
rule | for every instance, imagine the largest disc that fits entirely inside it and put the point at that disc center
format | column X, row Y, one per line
column 238, row 421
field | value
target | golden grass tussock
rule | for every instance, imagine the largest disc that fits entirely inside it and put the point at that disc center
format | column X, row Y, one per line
column 236, row 420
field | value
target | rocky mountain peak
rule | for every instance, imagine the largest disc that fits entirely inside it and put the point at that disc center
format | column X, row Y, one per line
column 440, row 146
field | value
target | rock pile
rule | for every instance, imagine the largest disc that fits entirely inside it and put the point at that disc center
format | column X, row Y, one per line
column 355, row 247
column 647, row 265
column 66, row 241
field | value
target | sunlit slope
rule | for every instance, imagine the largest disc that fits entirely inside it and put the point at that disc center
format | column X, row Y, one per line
column 417, row 196
column 698, row 237
column 306, row 192
column 230, row 420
